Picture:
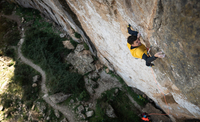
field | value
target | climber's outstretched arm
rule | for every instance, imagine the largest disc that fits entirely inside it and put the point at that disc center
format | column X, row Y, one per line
column 148, row 59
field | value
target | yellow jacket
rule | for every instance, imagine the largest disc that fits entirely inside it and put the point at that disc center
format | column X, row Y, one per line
column 137, row 52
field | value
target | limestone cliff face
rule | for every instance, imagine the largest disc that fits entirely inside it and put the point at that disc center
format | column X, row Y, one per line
column 171, row 26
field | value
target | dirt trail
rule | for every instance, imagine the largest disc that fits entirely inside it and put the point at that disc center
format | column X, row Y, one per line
column 63, row 109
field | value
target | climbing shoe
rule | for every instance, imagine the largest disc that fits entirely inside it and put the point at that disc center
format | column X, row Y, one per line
column 151, row 65
column 128, row 27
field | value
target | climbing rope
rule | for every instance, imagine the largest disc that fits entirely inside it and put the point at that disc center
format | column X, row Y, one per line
column 163, row 95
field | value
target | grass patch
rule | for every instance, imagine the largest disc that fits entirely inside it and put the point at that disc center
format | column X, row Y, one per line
column 121, row 104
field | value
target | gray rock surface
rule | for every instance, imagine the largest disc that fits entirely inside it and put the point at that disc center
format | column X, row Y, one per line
column 59, row 97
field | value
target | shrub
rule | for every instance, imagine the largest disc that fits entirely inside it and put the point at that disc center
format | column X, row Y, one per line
column 77, row 35
column 86, row 46
column 10, row 53
column 73, row 42
column 84, row 96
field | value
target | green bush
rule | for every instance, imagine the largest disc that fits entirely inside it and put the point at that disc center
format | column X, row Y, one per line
column 86, row 46
column 77, row 35
column 73, row 42
column 84, row 95
column 10, row 53
column 6, row 7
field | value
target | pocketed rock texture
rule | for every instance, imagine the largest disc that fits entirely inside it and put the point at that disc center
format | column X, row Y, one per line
column 171, row 26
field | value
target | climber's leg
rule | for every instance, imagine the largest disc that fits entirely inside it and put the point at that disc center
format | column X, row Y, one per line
column 134, row 33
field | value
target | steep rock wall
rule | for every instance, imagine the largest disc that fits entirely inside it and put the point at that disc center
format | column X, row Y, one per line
column 169, row 26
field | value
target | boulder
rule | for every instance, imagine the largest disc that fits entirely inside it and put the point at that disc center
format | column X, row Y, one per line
column 89, row 113
column 71, row 101
column 110, row 112
column 93, row 75
column 48, row 118
column 81, row 61
column 59, row 97
column 90, row 85
column 36, row 78
column 62, row 35
column 116, row 91
column 67, row 44
column 34, row 84
column 79, row 48
column 107, row 70
column 80, row 109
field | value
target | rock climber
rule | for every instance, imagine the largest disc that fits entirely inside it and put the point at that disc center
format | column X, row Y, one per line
column 138, row 50
column 145, row 117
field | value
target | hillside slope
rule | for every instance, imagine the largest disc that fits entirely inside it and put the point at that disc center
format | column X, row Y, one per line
column 169, row 26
